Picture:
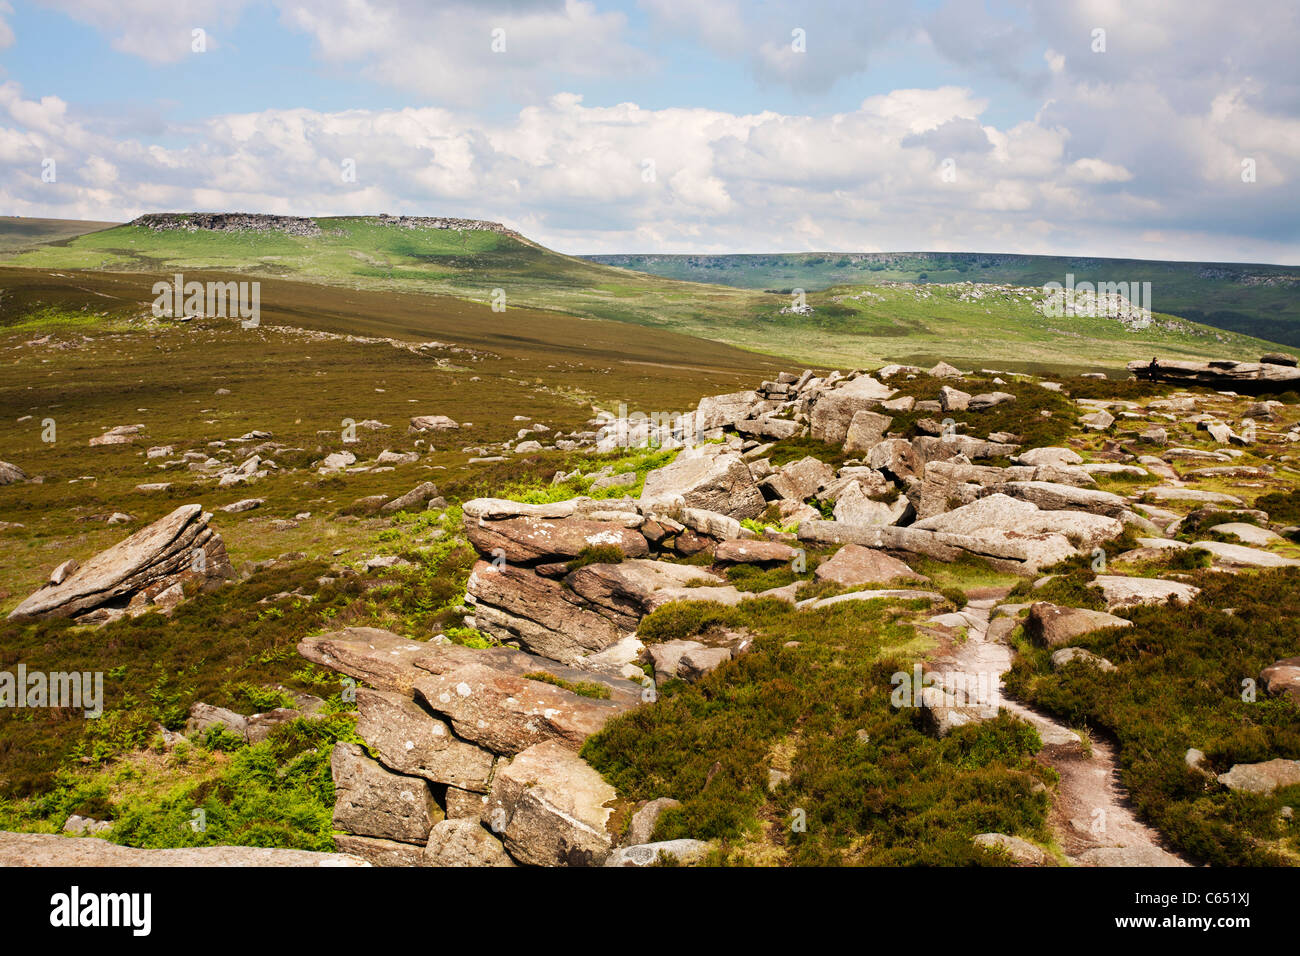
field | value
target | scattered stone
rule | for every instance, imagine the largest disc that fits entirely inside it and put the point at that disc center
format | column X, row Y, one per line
column 1052, row 625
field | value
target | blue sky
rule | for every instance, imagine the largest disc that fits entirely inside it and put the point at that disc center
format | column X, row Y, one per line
column 939, row 125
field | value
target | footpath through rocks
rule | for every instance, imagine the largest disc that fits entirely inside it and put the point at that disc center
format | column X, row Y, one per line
column 1091, row 817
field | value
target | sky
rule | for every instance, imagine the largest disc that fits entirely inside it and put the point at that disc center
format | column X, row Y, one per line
column 1160, row 129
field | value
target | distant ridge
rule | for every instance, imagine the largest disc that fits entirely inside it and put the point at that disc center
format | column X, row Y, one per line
column 300, row 225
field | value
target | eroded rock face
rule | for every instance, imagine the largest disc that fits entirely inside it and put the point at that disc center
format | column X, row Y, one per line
column 551, row 809
column 175, row 549
column 507, row 713
column 9, row 473
column 1000, row 512
column 411, row 741
column 542, row 614
column 721, row 483
column 462, row 843
column 374, row 802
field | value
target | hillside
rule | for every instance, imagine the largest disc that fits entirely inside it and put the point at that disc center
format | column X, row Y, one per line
column 20, row 232
column 851, row 325
column 1253, row 299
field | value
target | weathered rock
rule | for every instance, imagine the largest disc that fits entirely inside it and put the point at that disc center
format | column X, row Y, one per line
column 667, row 657
column 505, row 712
column 628, row 591
column 526, row 540
column 896, row 458
column 426, row 423
column 55, row 850
column 1236, row 555
column 853, row 566
column 1245, row 377
column 988, row 400
column 464, row 843
column 1051, row 496
column 409, row 740
column 10, row 473
column 833, row 411
column 1282, row 678
column 1065, row 655
column 642, row 828
column 413, row 500
column 720, row 483
column 1019, row 851
column 174, row 549
column 543, row 615
column 204, row 717
column 741, row 551
column 1002, row 513
column 371, row 801
column 1121, row 591
column 853, row 505
column 1262, row 777
column 697, row 662
column 800, row 480
column 1049, row 456
column 866, row 430
column 378, row 852
column 551, row 809
column 953, row 399
column 719, row 411
column 647, row 854
column 1097, row 421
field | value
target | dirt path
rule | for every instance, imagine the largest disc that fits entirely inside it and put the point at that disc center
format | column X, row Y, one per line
column 1091, row 817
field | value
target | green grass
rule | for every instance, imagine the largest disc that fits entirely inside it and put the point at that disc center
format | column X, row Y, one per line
column 851, row 325
column 1218, row 294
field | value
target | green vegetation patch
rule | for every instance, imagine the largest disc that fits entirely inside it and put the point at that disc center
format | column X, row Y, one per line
column 863, row 782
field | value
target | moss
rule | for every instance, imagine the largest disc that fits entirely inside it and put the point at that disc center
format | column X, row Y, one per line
column 583, row 688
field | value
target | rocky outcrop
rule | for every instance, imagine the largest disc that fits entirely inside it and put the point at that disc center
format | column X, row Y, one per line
column 1248, row 378
column 178, row 549
column 11, row 474
column 551, row 809
column 720, row 483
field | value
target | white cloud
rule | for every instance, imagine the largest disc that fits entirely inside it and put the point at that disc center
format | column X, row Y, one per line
column 160, row 31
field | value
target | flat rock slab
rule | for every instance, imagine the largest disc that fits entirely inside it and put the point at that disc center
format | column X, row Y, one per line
column 526, row 540
column 1250, row 534
column 51, row 849
column 1121, row 591
column 1262, row 777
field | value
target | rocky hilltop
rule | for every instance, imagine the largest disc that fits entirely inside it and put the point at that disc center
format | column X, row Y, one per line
column 308, row 228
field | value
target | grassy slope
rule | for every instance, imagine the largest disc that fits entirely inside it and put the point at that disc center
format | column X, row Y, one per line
column 19, row 232
column 468, row 264
column 1259, row 300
